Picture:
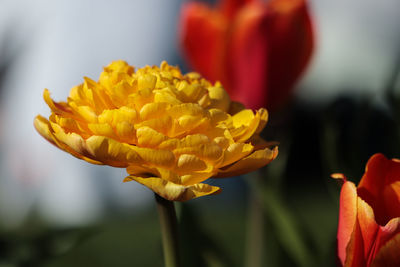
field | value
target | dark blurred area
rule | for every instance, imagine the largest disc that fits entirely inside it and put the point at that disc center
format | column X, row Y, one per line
column 57, row 211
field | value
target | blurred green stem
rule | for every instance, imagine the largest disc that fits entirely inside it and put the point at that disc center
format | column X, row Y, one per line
column 255, row 230
column 168, row 224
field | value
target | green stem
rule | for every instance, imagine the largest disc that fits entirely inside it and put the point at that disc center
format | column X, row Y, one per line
column 168, row 224
column 255, row 231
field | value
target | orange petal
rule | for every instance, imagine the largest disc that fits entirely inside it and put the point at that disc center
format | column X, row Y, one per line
column 389, row 254
column 379, row 187
column 347, row 218
column 384, row 235
column 368, row 227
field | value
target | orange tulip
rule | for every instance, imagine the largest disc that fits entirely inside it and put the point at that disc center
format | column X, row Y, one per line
column 369, row 216
column 257, row 49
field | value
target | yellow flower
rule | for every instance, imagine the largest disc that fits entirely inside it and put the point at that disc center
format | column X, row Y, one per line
column 171, row 131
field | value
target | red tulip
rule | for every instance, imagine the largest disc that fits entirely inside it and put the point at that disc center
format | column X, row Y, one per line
column 257, row 49
column 369, row 216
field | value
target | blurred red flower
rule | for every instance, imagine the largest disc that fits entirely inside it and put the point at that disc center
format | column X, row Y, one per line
column 369, row 216
column 257, row 49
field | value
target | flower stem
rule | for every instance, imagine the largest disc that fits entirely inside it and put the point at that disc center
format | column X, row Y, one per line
column 255, row 228
column 168, row 224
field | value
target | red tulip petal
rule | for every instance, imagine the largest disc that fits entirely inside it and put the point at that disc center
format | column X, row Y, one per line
column 385, row 234
column 249, row 46
column 291, row 46
column 347, row 219
column 389, row 254
column 363, row 236
column 230, row 7
column 361, row 240
column 368, row 227
column 270, row 47
column 355, row 249
column 380, row 187
column 203, row 36
column 391, row 198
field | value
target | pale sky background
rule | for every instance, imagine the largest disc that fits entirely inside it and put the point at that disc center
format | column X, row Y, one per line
column 53, row 44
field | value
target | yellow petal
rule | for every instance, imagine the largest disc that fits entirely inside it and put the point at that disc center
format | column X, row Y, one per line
column 194, row 140
column 114, row 116
column 166, row 95
column 86, row 113
column 72, row 140
column 256, row 160
column 119, row 154
column 43, row 127
column 147, row 81
column 111, row 152
column 223, row 142
column 119, row 66
column 153, row 110
column 191, row 92
column 219, row 98
column 263, row 119
column 156, row 157
column 161, row 125
column 103, row 129
column 58, row 108
column 210, row 152
column 189, row 163
column 236, row 152
column 189, row 122
column 218, row 116
column 198, row 176
column 126, row 132
column 243, row 118
column 147, row 137
column 190, row 109
column 68, row 124
column 140, row 98
column 249, row 126
column 175, row 192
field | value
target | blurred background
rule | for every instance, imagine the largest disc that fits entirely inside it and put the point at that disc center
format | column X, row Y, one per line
column 56, row 210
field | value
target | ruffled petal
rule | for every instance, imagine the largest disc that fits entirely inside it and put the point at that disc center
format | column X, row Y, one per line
column 115, row 153
column 43, row 126
column 250, row 163
column 235, row 152
column 175, row 192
